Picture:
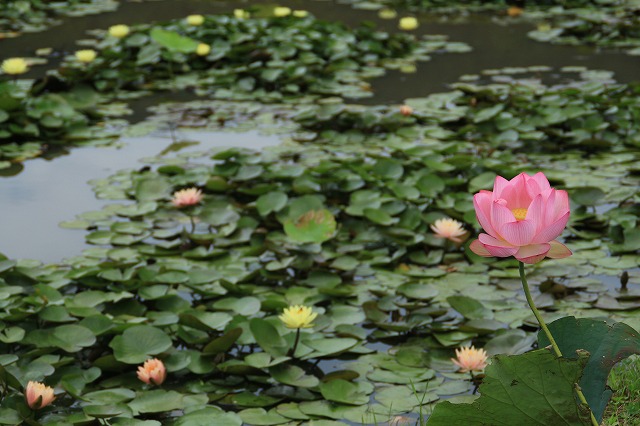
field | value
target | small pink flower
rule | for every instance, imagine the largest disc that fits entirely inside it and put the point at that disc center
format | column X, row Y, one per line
column 470, row 359
column 187, row 197
column 152, row 371
column 522, row 218
column 449, row 228
column 35, row 391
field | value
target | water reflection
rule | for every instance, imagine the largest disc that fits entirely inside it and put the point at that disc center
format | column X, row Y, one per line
column 49, row 192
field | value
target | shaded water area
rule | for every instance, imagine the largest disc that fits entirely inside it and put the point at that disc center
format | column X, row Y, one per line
column 54, row 190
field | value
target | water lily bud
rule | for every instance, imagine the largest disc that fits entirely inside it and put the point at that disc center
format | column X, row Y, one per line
column 470, row 359
column 38, row 395
column 298, row 316
column 387, row 14
column 406, row 110
column 119, row 31
column 14, row 66
column 300, row 13
column 281, row 11
column 195, row 20
column 86, row 55
column 241, row 14
column 187, row 197
column 408, row 23
column 152, row 371
column 203, row 49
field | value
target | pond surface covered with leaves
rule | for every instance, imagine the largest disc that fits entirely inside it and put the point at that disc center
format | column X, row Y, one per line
column 336, row 217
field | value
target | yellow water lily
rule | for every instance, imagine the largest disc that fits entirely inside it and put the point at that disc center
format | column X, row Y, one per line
column 298, row 316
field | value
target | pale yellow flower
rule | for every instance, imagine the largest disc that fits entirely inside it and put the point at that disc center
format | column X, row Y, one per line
column 86, row 55
column 195, row 20
column 152, row 371
column 35, row 391
column 470, row 359
column 281, row 11
column 387, row 14
column 300, row 13
column 241, row 14
column 119, row 31
column 187, row 197
column 448, row 228
column 408, row 23
column 14, row 66
column 298, row 316
column 203, row 49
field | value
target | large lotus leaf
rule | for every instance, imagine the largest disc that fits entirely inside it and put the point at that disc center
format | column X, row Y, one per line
column 173, row 41
column 532, row 388
column 607, row 342
column 138, row 343
column 314, row 226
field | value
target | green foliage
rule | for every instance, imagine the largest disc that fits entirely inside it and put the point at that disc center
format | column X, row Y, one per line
column 606, row 343
column 35, row 15
column 257, row 58
column 624, row 408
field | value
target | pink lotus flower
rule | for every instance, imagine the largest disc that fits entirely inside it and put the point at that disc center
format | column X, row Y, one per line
column 152, row 371
column 522, row 218
column 38, row 395
column 187, row 197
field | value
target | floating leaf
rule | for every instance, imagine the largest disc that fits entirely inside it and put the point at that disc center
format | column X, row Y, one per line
column 314, row 226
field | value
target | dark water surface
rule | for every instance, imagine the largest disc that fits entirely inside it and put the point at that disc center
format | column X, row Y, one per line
column 47, row 192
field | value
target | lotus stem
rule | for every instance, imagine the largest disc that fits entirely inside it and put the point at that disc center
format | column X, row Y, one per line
column 532, row 305
column 554, row 345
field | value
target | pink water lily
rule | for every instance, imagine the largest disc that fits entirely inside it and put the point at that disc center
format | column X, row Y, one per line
column 522, row 217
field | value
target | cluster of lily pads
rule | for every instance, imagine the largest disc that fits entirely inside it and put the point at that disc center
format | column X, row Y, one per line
column 602, row 23
column 337, row 220
column 256, row 58
column 31, row 125
column 17, row 16
column 299, row 58
column 612, row 24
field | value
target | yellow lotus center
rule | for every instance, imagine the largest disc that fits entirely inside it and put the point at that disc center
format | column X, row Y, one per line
column 520, row 214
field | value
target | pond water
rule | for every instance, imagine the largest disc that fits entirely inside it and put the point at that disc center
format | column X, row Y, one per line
column 44, row 192
column 51, row 191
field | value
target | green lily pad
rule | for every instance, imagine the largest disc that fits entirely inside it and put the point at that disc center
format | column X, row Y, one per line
column 314, row 226
column 138, row 343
